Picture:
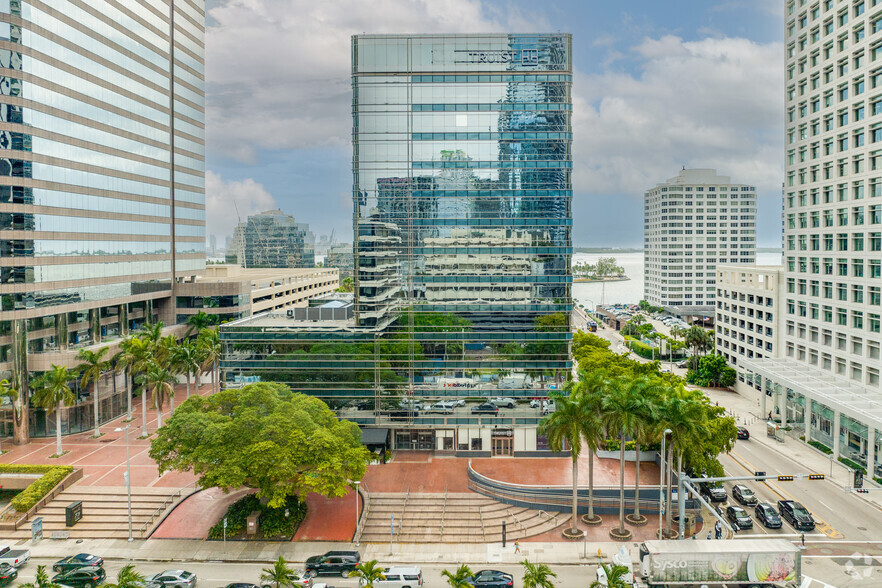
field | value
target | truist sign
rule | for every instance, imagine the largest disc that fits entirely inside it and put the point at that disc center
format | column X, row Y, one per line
column 514, row 56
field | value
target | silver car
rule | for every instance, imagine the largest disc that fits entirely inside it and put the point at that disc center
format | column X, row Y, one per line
column 173, row 579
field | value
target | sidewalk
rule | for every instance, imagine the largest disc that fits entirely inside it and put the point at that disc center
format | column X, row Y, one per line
column 178, row 550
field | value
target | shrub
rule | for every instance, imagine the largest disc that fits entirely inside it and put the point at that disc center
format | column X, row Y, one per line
column 272, row 522
column 39, row 488
column 820, row 446
column 853, row 465
column 613, row 445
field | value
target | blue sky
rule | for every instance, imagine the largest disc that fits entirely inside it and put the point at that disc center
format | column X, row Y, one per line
column 658, row 85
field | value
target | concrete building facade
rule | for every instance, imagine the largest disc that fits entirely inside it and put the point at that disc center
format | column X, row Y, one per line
column 693, row 222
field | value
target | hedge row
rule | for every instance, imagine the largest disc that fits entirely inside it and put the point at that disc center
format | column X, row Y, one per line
column 853, row 465
column 613, row 445
column 39, row 488
column 273, row 524
column 821, row 446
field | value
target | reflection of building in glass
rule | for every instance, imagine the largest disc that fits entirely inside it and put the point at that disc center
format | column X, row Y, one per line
column 102, row 183
column 462, row 194
column 272, row 239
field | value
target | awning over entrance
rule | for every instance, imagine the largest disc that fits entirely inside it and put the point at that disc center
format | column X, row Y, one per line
column 374, row 438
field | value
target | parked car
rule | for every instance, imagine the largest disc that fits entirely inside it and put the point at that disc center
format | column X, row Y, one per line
column 739, row 517
column 744, row 495
column 797, row 515
column 767, row 515
column 486, row 408
column 683, row 364
column 491, row 579
column 14, row 557
column 401, row 577
column 79, row 560
column 713, row 493
column 85, row 577
column 443, row 407
column 7, row 574
column 173, row 579
column 743, row 433
column 331, row 565
column 506, row 402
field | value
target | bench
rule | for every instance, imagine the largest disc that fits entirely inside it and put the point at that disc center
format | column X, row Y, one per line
column 60, row 535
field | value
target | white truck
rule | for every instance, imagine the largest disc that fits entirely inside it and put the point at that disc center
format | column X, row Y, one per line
column 14, row 557
column 734, row 563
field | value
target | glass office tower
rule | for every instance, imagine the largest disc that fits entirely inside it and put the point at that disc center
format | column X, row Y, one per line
column 102, row 189
column 462, row 190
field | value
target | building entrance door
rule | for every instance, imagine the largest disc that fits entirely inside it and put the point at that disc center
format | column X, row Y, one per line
column 501, row 446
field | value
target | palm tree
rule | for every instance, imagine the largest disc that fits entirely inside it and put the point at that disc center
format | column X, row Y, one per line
column 684, row 416
column 53, row 391
column 590, row 391
column 127, row 577
column 279, row 575
column 367, row 573
column 537, row 575
column 41, row 580
column 564, row 427
column 186, row 359
column 123, row 362
column 9, row 391
column 460, row 578
column 648, row 430
column 141, row 356
column 618, row 408
column 209, row 341
column 91, row 367
column 638, row 319
column 161, row 384
column 152, row 333
column 615, row 577
column 199, row 321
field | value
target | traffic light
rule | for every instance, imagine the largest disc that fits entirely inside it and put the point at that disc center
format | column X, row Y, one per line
column 785, row 478
column 861, row 490
column 858, row 479
column 816, row 476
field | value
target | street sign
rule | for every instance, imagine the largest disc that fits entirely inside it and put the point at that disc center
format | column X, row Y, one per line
column 858, row 479
column 225, row 522
column 759, row 474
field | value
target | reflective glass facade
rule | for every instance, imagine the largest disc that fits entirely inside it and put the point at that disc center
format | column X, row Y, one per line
column 101, row 148
column 462, row 190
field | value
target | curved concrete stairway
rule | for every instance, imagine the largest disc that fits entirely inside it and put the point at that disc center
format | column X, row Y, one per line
column 451, row 518
column 105, row 512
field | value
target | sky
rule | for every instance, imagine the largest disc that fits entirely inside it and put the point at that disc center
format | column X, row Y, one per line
column 658, row 85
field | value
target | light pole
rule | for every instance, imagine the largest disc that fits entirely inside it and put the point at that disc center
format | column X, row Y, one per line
column 356, row 512
column 661, row 494
column 128, row 477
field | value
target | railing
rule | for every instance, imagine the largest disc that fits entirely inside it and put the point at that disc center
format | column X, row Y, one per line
column 443, row 512
column 148, row 524
column 363, row 515
column 559, row 498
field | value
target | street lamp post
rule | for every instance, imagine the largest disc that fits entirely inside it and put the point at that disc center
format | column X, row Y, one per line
column 661, row 496
column 128, row 478
column 356, row 512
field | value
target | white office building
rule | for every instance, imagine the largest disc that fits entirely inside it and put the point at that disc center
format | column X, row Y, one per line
column 692, row 223
column 829, row 359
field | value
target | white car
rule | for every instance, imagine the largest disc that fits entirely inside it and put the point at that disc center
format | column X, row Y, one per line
column 506, row 402
column 443, row 407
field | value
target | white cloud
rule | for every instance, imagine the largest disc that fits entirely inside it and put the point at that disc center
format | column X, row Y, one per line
column 279, row 70
column 223, row 197
column 710, row 103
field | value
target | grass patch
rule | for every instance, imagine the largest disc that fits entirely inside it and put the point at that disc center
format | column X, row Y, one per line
column 853, row 465
column 820, row 447
column 272, row 523
column 39, row 488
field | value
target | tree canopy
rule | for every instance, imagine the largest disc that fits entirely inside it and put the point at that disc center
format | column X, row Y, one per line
column 262, row 436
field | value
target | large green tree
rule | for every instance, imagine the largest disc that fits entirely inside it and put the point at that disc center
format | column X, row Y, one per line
column 262, row 436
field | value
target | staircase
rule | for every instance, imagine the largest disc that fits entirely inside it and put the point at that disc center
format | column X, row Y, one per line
column 451, row 518
column 105, row 512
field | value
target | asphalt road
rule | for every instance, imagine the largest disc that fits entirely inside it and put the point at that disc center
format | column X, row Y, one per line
column 213, row 575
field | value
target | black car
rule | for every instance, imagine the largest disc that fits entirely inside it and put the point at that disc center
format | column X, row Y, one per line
column 714, row 493
column 739, row 517
column 486, row 408
column 85, row 577
column 330, row 565
column 491, row 579
column 743, row 433
column 744, row 495
column 797, row 515
column 766, row 514
column 79, row 560
column 7, row 574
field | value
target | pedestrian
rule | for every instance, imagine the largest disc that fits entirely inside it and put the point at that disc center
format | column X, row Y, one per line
column 770, row 415
column 708, row 535
column 694, row 536
column 517, row 546
column 718, row 530
column 803, row 540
